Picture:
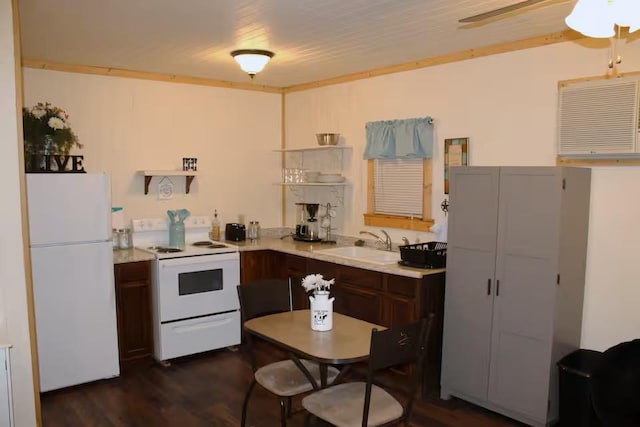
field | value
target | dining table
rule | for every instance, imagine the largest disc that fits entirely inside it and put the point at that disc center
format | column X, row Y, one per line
column 348, row 341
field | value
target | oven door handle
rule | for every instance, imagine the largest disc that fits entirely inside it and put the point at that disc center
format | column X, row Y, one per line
column 201, row 259
column 207, row 324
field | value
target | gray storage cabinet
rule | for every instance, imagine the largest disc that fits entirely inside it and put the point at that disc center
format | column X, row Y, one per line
column 516, row 258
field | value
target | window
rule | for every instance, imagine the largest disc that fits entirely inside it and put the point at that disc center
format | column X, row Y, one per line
column 399, row 173
column 399, row 194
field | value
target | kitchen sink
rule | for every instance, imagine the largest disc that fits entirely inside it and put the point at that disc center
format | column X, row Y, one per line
column 363, row 254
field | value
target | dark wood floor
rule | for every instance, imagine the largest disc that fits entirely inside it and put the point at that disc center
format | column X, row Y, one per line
column 207, row 390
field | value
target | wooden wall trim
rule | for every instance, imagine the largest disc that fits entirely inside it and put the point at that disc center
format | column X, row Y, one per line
column 563, row 83
column 427, row 186
column 35, row 372
column 144, row 75
column 371, row 200
column 283, row 145
column 597, row 161
column 559, row 37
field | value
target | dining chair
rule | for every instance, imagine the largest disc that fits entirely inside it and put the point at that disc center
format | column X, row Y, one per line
column 615, row 386
column 283, row 378
column 355, row 404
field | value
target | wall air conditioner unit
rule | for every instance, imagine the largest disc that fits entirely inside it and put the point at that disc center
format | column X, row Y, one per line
column 599, row 118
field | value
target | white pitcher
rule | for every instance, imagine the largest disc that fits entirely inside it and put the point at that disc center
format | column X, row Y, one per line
column 321, row 311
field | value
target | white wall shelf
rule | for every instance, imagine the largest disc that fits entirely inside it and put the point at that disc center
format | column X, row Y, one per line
column 318, row 148
column 149, row 174
column 312, row 184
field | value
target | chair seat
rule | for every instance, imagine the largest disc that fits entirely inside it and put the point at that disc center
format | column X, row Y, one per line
column 284, row 378
column 342, row 405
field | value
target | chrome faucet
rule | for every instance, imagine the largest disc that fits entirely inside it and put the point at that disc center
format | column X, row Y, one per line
column 405, row 240
column 387, row 239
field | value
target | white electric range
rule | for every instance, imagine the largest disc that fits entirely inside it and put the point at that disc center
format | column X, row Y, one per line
column 195, row 300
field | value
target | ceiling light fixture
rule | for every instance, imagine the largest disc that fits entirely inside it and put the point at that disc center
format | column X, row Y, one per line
column 252, row 61
column 598, row 18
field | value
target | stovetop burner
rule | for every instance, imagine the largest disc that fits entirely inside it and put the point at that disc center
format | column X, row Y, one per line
column 210, row 245
column 164, row 250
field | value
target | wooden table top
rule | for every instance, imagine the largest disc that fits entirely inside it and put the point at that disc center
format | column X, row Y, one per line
column 349, row 341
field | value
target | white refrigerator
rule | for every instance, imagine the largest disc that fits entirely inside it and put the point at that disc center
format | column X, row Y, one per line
column 73, row 284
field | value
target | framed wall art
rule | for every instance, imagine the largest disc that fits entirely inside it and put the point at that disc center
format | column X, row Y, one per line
column 456, row 153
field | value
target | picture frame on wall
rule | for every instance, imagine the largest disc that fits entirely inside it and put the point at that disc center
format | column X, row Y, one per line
column 456, row 153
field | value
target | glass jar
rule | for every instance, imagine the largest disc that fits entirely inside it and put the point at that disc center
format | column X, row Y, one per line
column 254, row 230
column 125, row 239
column 115, row 238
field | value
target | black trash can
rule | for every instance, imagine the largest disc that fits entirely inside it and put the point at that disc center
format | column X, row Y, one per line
column 575, row 371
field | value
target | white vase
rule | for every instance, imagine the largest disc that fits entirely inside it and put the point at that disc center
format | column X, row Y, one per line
column 321, row 311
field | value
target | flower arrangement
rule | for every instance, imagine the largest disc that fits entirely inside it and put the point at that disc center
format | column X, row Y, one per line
column 316, row 283
column 47, row 130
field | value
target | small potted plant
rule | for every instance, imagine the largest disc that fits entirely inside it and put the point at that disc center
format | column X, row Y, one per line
column 320, row 303
column 46, row 132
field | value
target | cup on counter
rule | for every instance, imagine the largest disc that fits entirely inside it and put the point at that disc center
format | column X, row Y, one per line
column 122, row 238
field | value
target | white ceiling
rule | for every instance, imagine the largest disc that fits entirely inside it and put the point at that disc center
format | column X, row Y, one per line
column 312, row 39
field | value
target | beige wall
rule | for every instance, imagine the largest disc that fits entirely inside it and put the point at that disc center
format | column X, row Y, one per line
column 506, row 105
column 14, row 324
column 128, row 125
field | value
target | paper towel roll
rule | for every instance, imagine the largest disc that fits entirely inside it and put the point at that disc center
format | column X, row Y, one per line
column 117, row 218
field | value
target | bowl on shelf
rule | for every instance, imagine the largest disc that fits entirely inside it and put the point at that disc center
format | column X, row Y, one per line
column 311, row 176
column 328, row 138
column 330, row 178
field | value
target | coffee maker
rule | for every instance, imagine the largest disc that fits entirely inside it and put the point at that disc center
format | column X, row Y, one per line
column 307, row 227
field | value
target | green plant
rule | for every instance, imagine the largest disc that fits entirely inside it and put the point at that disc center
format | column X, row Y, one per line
column 46, row 130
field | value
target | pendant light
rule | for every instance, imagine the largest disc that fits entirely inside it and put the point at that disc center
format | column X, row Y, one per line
column 598, row 18
column 252, row 61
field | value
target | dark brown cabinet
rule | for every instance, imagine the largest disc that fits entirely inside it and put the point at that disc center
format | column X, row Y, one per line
column 295, row 271
column 133, row 308
column 260, row 264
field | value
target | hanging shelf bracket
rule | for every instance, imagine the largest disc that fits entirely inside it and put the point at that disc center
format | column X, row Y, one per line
column 148, row 175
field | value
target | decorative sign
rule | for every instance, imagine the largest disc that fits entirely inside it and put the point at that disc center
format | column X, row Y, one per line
column 189, row 164
column 54, row 163
column 456, row 153
column 165, row 189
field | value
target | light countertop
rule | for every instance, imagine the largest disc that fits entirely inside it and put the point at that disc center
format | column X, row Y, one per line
column 123, row 256
column 292, row 247
column 309, row 250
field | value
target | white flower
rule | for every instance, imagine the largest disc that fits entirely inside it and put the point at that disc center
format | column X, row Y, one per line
column 38, row 112
column 62, row 115
column 316, row 282
column 56, row 123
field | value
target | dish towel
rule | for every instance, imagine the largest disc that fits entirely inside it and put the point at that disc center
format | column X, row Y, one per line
column 440, row 230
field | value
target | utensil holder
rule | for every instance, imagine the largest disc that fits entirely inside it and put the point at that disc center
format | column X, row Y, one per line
column 176, row 235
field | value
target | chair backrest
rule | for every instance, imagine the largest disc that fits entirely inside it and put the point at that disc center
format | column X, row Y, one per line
column 399, row 345
column 615, row 386
column 262, row 297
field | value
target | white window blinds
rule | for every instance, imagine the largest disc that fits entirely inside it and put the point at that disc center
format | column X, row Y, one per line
column 398, row 187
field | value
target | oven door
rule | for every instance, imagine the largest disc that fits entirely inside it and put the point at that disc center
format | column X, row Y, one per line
column 197, row 286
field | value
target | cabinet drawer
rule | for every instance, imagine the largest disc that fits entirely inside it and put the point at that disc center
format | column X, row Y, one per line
column 400, row 285
column 132, row 271
column 327, row 269
column 360, row 277
column 296, row 263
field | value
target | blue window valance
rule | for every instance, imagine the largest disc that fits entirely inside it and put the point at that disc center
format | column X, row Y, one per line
column 392, row 139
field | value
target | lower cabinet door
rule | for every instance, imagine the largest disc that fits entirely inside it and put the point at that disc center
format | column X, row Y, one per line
column 135, row 331
column 357, row 303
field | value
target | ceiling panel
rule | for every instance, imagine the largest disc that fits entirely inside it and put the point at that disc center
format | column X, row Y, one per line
column 312, row 39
